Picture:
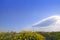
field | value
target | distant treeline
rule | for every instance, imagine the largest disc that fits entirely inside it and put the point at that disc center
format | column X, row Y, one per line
column 28, row 35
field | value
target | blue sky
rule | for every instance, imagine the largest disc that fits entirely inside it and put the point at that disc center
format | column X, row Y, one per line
column 17, row 14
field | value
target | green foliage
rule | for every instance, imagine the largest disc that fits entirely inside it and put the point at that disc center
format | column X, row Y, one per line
column 51, row 35
column 27, row 35
column 56, row 35
column 21, row 36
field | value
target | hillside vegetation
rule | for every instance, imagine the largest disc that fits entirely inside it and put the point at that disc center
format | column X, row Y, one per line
column 27, row 35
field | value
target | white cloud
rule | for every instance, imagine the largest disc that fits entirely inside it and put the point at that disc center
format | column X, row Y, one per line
column 49, row 24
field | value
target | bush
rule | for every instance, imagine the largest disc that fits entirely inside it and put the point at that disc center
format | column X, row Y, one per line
column 21, row 36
